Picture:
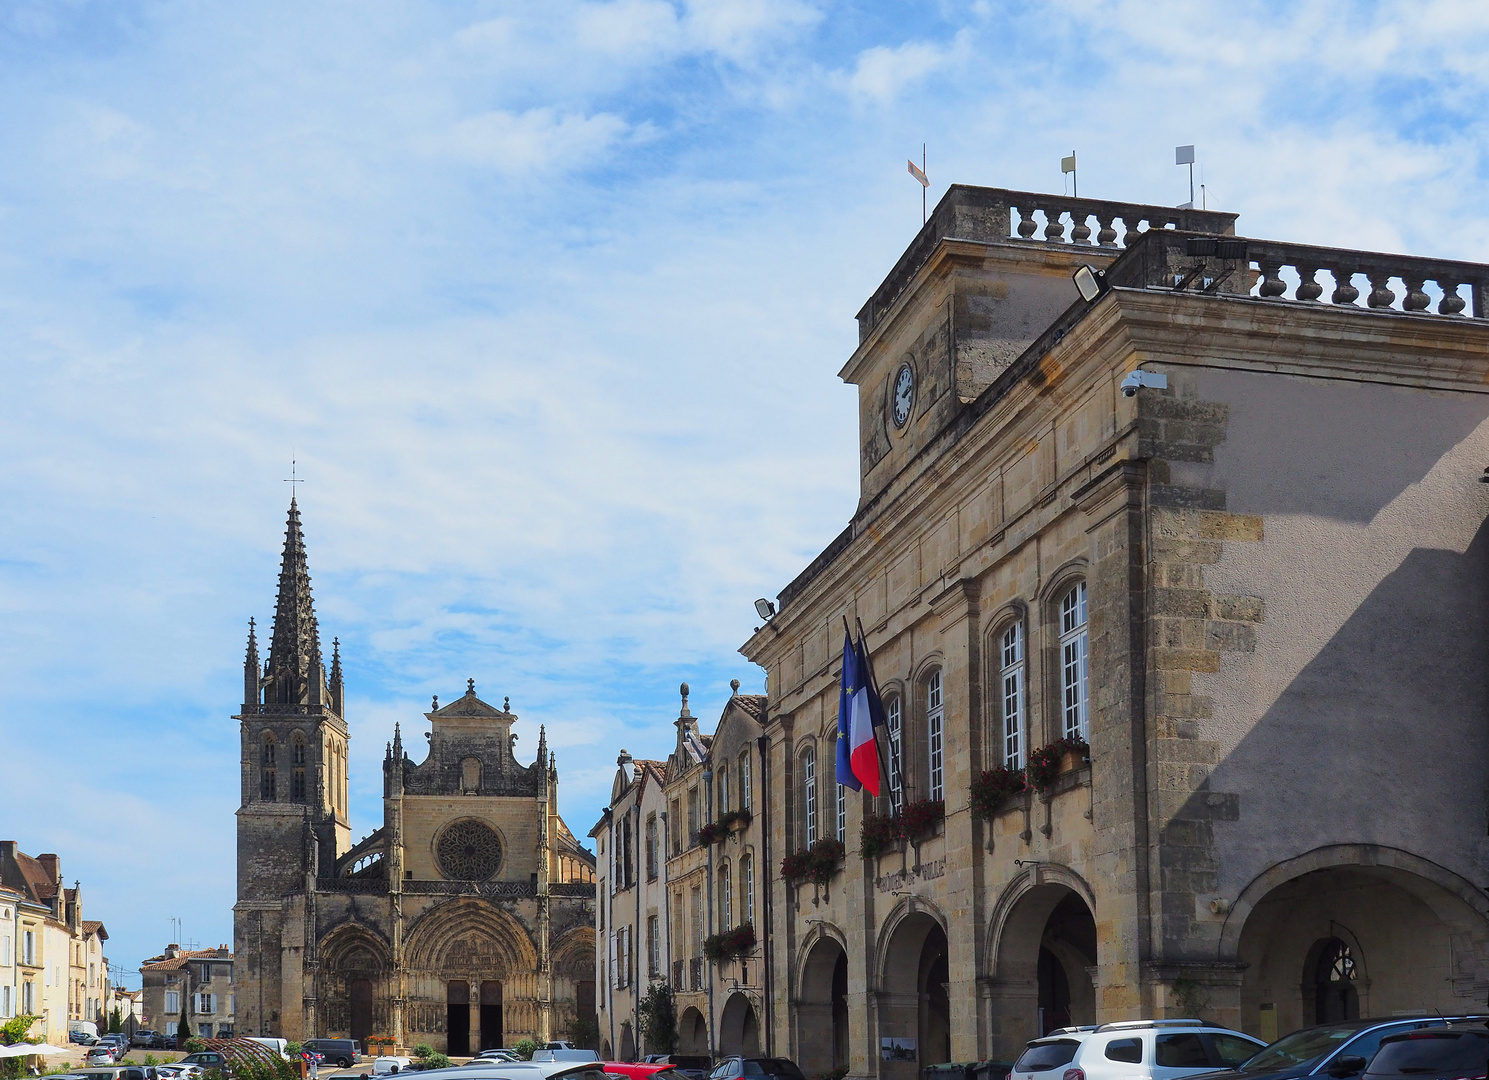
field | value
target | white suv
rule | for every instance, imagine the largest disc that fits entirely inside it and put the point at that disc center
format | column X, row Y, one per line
column 1134, row 1050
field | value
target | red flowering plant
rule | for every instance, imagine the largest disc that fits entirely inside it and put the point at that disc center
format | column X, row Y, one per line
column 730, row 818
column 919, row 819
column 731, row 944
column 796, row 867
column 712, row 833
column 1044, row 763
column 823, row 859
column 991, row 789
column 877, row 835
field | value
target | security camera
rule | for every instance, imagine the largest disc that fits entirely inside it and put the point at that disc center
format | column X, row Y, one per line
column 1138, row 379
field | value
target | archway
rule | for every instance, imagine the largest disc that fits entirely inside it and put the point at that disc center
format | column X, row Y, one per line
column 914, row 1004
column 1043, row 945
column 627, row 1042
column 739, row 1028
column 692, row 1032
column 1340, row 941
column 352, row 983
column 822, row 1008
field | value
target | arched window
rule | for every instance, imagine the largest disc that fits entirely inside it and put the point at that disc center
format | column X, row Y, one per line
column 745, row 797
column 1073, row 667
column 935, row 724
column 726, row 898
column 1011, row 680
column 809, row 795
column 268, row 786
column 724, row 788
column 894, row 722
column 1336, row 998
column 297, row 770
column 747, row 879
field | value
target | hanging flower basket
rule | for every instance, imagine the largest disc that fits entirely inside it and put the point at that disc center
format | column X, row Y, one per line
column 735, row 820
column 730, row 945
column 993, row 788
column 817, row 863
column 712, row 833
column 878, row 835
column 1048, row 762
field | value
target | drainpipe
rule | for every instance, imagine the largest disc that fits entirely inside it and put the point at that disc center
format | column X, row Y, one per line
column 666, row 927
column 637, row 855
column 766, row 874
column 610, row 930
column 708, row 819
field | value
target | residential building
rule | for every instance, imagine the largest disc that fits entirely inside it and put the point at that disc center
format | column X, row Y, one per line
column 59, row 972
column 201, row 980
column 464, row 920
column 10, row 989
column 631, row 903
column 1228, row 613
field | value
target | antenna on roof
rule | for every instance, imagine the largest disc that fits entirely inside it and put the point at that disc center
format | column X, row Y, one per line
column 1184, row 155
column 1067, row 165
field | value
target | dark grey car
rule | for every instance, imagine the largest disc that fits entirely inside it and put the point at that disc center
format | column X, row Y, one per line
column 1339, row 1051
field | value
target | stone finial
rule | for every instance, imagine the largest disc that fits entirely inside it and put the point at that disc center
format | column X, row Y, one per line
column 434, row 703
column 734, row 686
column 470, row 687
column 506, row 704
column 624, row 759
column 684, row 691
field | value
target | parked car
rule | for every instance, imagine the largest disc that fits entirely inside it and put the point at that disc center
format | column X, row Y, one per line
column 177, row 1071
column 114, row 1040
column 519, row 1070
column 339, row 1052
column 101, row 1054
column 642, row 1070
column 148, row 1039
column 565, row 1054
column 692, row 1066
column 1320, row 1050
column 112, row 1072
column 81, row 1038
column 206, row 1059
column 495, row 1055
column 756, row 1068
column 1444, row 1053
column 1134, row 1050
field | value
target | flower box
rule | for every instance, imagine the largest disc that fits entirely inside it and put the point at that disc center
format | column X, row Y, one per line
column 992, row 790
column 1048, row 763
column 730, row 945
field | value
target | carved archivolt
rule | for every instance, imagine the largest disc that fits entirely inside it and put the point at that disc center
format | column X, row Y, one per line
column 469, row 936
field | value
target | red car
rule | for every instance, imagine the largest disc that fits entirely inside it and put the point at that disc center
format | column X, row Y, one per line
column 636, row 1070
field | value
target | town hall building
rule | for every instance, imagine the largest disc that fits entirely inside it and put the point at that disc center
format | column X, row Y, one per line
column 464, row 921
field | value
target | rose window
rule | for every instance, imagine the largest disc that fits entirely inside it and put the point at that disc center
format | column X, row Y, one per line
column 469, row 851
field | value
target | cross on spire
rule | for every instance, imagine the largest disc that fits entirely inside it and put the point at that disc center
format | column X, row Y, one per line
column 293, row 479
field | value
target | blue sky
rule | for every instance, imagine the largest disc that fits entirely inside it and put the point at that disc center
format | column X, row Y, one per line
column 548, row 301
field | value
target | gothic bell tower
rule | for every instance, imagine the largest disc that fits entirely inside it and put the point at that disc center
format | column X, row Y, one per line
column 293, row 821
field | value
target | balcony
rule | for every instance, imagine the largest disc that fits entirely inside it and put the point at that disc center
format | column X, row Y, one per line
column 695, row 973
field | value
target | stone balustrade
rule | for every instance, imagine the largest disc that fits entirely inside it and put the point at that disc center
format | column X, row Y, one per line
column 1305, row 274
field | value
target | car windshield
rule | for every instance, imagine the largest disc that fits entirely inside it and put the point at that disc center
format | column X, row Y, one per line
column 1434, row 1054
column 1300, row 1048
column 1039, row 1057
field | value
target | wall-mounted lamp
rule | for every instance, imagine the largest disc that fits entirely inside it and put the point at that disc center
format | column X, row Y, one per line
column 764, row 608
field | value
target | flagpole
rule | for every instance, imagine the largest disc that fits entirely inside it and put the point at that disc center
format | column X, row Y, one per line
column 874, row 682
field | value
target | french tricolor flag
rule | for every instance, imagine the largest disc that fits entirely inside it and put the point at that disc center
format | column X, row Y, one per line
column 867, row 716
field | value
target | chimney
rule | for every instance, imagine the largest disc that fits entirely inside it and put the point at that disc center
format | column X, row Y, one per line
column 53, row 866
column 172, row 951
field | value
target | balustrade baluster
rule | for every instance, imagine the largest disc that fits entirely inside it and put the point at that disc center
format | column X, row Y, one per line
column 1054, row 228
column 1380, row 289
column 1107, row 237
column 1027, row 224
column 1344, row 289
column 1309, row 288
column 1130, row 237
column 1271, row 285
column 1416, row 299
column 1081, row 231
column 1451, row 303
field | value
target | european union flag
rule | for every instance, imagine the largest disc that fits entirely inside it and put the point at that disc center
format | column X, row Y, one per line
column 848, row 686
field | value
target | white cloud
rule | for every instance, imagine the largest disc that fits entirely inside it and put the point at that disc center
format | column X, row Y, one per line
column 882, row 73
column 532, row 142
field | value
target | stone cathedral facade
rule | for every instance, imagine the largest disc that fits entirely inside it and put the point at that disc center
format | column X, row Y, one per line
column 465, row 920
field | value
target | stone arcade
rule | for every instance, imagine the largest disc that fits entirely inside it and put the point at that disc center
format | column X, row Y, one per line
column 464, row 921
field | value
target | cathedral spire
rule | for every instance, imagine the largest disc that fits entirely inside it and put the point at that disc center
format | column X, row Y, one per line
column 251, row 668
column 295, row 671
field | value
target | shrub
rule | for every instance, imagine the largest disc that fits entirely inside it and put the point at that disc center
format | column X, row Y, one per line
column 584, row 1032
column 194, row 1045
column 525, row 1048
column 430, row 1058
column 992, row 788
column 659, row 1020
column 1044, row 763
column 293, row 1049
column 877, row 835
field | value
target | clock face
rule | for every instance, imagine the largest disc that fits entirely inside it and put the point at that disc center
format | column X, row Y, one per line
column 904, row 395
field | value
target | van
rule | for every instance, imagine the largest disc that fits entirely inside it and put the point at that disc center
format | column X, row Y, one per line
column 277, row 1045
column 339, row 1052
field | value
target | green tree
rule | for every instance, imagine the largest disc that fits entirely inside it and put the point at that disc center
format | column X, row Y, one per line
column 659, row 1020
column 183, row 1026
column 585, row 1033
column 116, row 1022
column 13, row 1031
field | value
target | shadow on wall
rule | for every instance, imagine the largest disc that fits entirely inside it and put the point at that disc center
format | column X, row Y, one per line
column 1287, row 452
